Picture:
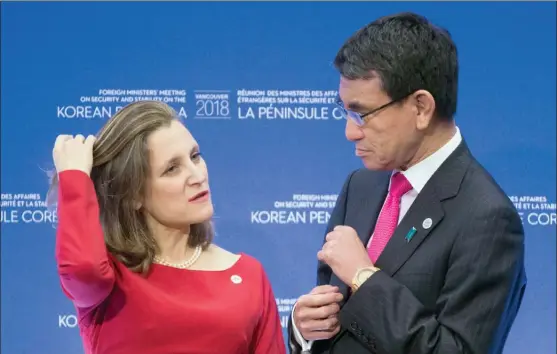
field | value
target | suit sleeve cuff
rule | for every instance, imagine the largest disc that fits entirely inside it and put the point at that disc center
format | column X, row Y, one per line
column 306, row 345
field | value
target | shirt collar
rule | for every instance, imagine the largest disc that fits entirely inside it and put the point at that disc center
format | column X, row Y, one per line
column 420, row 173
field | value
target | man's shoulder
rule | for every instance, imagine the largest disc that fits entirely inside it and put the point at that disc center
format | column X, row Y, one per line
column 481, row 187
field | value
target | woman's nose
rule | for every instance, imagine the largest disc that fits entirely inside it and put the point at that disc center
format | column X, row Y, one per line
column 197, row 175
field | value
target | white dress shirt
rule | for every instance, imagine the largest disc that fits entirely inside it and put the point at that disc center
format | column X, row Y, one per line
column 417, row 175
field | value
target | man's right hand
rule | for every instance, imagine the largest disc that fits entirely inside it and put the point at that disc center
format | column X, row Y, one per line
column 316, row 313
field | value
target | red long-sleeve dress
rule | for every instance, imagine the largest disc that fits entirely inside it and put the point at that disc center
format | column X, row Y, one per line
column 169, row 311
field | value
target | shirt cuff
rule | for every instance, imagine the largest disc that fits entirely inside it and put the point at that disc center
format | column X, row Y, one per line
column 306, row 345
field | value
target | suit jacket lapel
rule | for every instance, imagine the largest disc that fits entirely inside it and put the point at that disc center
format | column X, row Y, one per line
column 365, row 217
column 426, row 212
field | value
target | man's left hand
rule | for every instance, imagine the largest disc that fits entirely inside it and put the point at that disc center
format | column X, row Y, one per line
column 344, row 252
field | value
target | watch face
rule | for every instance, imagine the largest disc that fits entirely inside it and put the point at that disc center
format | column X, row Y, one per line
column 364, row 274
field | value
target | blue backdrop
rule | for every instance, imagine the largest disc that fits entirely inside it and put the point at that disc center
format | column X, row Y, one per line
column 233, row 70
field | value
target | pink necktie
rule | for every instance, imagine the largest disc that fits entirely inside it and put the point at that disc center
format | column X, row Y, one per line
column 388, row 218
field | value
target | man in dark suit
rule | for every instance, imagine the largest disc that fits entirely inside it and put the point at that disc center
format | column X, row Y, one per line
column 424, row 253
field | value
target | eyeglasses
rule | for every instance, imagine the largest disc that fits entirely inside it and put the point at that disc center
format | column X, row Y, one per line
column 358, row 118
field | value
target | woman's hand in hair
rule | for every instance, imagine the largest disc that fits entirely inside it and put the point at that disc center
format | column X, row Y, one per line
column 73, row 153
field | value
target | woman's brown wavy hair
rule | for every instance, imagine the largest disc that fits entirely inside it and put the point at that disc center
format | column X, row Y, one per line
column 119, row 174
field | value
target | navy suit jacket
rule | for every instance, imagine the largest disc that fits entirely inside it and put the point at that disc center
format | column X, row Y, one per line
column 455, row 287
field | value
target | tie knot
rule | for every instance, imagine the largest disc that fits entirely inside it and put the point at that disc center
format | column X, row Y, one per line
column 399, row 185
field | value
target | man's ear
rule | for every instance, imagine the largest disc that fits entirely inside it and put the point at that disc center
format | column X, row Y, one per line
column 425, row 108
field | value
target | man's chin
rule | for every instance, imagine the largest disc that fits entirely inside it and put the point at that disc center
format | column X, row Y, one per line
column 374, row 165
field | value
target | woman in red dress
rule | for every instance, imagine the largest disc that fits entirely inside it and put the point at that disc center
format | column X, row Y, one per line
column 134, row 245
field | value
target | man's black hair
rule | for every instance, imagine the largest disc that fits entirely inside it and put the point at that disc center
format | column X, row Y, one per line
column 407, row 53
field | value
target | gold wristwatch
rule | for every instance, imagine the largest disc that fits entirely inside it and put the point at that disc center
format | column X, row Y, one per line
column 361, row 276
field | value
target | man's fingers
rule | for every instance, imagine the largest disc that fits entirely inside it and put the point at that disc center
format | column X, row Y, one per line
column 318, row 313
column 333, row 236
column 324, row 254
column 321, row 330
column 323, row 335
column 319, row 300
column 323, row 289
column 324, row 325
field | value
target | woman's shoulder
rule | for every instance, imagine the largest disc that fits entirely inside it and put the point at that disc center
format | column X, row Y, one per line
column 251, row 261
column 241, row 260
